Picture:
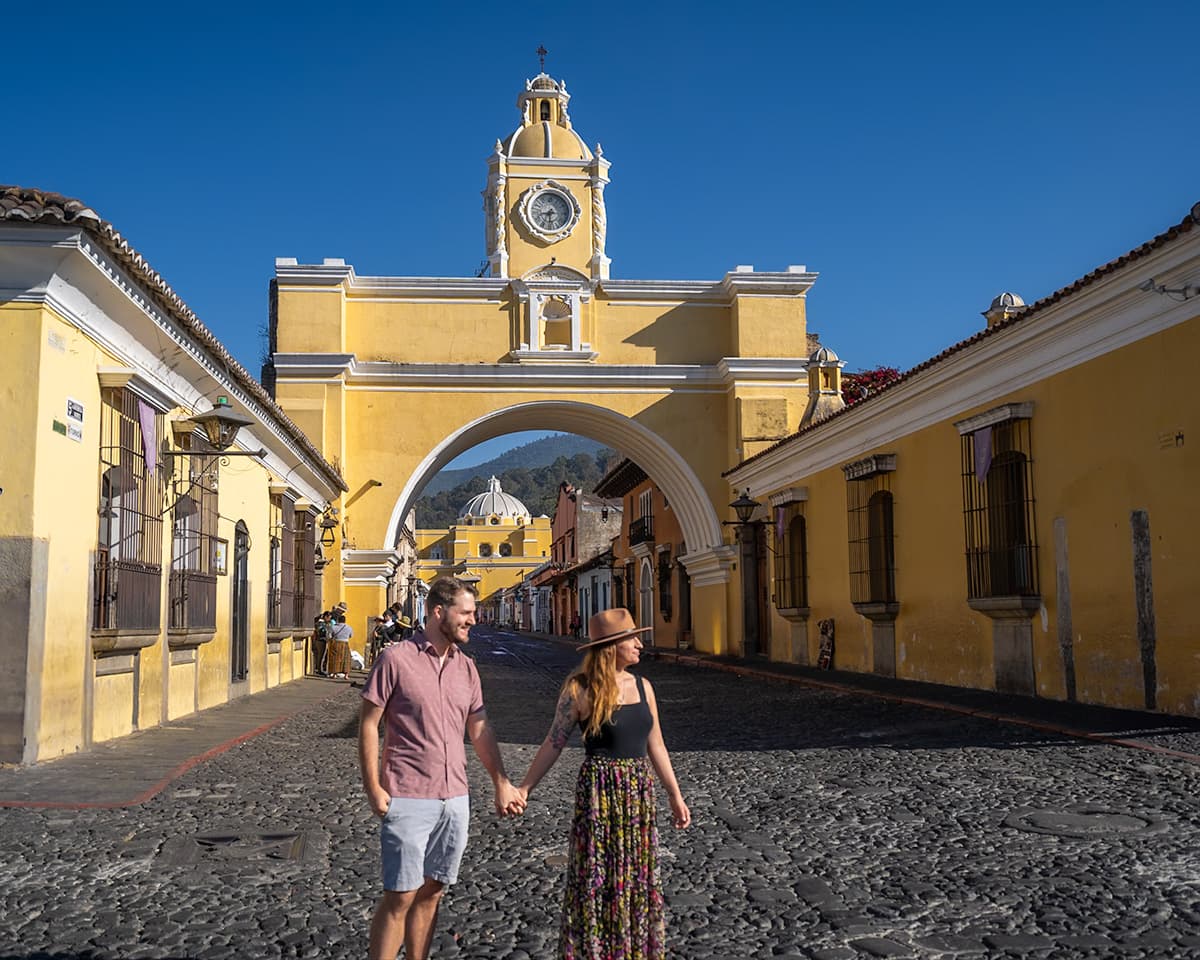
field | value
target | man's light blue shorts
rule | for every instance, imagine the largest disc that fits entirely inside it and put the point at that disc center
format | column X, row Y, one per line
column 423, row 838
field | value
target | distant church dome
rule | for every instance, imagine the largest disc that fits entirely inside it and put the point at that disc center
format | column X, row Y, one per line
column 494, row 502
column 824, row 355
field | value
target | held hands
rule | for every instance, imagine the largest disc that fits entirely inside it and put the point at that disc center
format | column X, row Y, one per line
column 518, row 805
column 509, row 800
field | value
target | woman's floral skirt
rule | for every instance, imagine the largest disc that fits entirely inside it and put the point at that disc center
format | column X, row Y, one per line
column 613, row 909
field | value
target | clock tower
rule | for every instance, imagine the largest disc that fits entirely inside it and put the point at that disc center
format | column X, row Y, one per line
column 544, row 200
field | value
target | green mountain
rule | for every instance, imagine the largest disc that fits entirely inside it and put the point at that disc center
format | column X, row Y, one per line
column 538, row 453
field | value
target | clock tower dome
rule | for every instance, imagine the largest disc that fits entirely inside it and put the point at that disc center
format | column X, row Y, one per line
column 544, row 200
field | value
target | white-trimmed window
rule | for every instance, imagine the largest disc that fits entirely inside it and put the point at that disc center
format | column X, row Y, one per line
column 872, row 536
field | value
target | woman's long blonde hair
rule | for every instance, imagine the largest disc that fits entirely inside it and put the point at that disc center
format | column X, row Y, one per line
column 598, row 676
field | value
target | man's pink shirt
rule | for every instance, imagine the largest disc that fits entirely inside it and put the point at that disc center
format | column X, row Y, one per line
column 425, row 706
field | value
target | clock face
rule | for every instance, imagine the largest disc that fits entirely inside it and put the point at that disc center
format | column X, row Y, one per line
column 550, row 210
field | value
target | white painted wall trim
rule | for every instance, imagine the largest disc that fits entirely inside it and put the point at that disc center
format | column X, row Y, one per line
column 1107, row 315
column 299, row 367
column 93, row 293
column 989, row 418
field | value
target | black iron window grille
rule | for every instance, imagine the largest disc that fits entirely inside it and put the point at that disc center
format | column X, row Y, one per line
column 791, row 556
column 128, row 574
column 641, row 530
column 664, row 584
column 998, row 510
column 871, row 509
column 281, row 609
column 192, row 589
column 304, row 598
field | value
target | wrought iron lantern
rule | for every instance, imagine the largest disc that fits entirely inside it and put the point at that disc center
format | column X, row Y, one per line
column 221, row 424
column 329, row 524
column 744, row 507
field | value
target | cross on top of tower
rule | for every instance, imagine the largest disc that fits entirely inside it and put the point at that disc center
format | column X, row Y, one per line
column 541, row 52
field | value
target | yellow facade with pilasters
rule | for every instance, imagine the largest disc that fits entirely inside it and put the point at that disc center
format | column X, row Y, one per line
column 1099, row 552
column 400, row 374
column 105, row 372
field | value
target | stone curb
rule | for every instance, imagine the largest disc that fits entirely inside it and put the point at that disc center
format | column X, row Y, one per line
column 175, row 772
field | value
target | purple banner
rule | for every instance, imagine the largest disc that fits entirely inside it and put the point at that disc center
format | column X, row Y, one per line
column 983, row 453
column 146, row 417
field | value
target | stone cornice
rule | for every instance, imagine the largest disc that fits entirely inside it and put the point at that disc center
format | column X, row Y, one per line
column 369, row 566
column 1000, row 414
column 736, row 284
column 672, row 290
column 739, row 369
column 790, row 495
column 540, row 369
column 791, row 283
column 870, row 466
column 548, row 373
column 710, row 567
column 130, row 379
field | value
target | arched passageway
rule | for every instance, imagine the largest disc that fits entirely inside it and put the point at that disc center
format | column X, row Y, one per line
column 697, row 518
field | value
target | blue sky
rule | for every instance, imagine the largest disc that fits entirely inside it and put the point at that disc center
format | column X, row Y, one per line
column 922, row 157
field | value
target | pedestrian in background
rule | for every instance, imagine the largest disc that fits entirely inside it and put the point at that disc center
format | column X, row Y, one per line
column 322, row 630
column 613, row 905
column 383, row 634
column 337, row 657
column 427, row 692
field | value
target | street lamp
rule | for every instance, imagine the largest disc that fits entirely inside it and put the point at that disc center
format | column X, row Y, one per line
column 221, row 424
column 743, row 508
column 329, row 523
column 411, row 599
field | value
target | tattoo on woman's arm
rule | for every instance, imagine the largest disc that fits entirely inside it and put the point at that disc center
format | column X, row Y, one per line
column 560, row 730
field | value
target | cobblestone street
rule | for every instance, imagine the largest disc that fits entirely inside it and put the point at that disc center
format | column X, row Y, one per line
column 827, row 825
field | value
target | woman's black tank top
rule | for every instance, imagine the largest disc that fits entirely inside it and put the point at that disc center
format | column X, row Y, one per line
column 624, row 736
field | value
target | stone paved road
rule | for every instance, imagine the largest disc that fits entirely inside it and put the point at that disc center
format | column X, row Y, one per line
column 827, row 826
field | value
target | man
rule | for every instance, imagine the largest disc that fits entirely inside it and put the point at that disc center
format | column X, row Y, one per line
column 322, row 631
column 427, row 691
column 383, row 634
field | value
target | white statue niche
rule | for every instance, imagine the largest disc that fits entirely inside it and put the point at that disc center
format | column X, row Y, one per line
column 555, row 324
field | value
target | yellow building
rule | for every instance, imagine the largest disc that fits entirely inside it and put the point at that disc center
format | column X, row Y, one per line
column 155, row 559
column 494, row 544
column 685, row 377
column 1016, row 513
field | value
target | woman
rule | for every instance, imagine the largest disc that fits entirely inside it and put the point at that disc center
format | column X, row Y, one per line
column 613, row 906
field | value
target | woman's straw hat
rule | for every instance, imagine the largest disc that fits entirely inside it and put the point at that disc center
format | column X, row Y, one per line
column 609, row 626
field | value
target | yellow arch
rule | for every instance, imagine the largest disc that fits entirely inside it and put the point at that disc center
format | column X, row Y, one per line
column 698, row 521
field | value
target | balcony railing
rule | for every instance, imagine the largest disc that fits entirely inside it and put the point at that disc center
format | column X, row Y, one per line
column 127, row 595
column 641, row 530
column 193, row 598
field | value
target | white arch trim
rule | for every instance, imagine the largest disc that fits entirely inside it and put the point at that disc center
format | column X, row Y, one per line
column 697, row 518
